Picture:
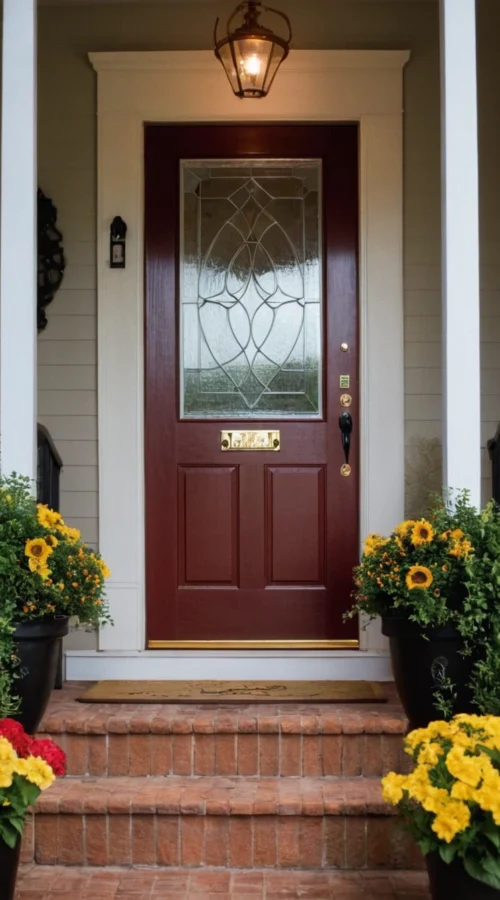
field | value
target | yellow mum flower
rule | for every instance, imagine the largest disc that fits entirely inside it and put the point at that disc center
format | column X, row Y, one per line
column 464, row 768
column 430, row 753
column 7, row 770
column 436, row 800
column 37, row 771
column 461, row 791
column 392, row 787
column 422, row 533
column 419, row 577
column 451, row 821
column 416, row 737
column 7, row 752
column 38, row 550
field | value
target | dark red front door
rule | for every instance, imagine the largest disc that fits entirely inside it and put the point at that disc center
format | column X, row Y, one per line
column 251, row 342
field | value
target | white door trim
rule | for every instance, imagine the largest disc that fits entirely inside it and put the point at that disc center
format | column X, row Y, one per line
column 189, row 86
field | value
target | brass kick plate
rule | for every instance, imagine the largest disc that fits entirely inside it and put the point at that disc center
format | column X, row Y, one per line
column 250, row 440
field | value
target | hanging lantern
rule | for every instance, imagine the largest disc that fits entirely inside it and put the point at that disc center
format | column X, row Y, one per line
column 252, row 54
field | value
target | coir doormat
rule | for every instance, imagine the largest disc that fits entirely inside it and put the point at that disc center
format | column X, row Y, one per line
column 235, row 692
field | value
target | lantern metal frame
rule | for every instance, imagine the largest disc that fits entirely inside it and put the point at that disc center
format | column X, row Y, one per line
column 252, row 29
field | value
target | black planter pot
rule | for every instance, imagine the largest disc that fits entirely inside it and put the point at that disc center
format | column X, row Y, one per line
column 37, row 645
column 452, row 882
column 9, row 863
column 420, row 663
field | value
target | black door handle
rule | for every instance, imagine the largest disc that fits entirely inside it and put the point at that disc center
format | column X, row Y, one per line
column 345, row 425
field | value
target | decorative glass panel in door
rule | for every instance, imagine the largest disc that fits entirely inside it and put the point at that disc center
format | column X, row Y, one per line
column 251, row 289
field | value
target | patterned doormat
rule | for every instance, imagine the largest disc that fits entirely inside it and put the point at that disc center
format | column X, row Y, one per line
column 235, row 692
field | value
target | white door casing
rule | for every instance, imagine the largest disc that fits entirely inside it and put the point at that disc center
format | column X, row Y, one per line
column 189, row 86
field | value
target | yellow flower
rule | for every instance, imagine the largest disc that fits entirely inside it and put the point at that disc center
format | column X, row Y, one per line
column 38, row 550
column 464, row 768
column 392, row 787
column 422, row 533
column 461, row 548
column 48, row 517
column 72, row 534
column 462, row 791
column 405, row 527
column 419, row 577
column 7, row 770
column 436, row 800
column 37, row 771
column 372, row 543
column 51, row 540
column 7, row 752
column 430, row 753
column 451, row 821
column 104, row 569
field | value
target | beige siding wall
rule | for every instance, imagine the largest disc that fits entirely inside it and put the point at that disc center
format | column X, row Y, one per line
column 67, row 164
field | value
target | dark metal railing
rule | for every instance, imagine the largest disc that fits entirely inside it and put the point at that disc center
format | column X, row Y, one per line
column 49, row 465
column 49, row 469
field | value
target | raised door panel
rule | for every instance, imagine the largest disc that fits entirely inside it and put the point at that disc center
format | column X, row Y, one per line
column 295, row 525
column 208, row 525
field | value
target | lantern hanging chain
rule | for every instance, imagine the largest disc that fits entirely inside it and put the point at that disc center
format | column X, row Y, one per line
column 251, row 10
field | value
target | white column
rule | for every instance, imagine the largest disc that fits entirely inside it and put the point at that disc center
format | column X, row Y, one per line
column 18, row 240
column 460, row 246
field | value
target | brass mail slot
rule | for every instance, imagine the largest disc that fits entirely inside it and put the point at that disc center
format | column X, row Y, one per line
column 250, row 440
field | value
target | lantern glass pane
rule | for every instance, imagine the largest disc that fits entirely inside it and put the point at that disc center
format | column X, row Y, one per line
column 252, row 60
column 227, row 61
column 277, row 56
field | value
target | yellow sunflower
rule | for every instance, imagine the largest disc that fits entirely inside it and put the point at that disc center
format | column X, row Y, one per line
column 419, row 577
column 38, row 550
column 51, row 540
column 422, row 533
column 405, row 527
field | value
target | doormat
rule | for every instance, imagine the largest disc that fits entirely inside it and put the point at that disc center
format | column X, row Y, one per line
column 235, row 692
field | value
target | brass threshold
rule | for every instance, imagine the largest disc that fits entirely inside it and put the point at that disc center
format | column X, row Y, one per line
column 254, row 645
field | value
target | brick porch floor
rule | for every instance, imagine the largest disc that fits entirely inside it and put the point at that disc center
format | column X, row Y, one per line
column 57, row 883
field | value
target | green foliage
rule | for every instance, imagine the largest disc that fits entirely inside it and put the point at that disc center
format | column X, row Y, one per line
column 444, row 570
column 67, row 579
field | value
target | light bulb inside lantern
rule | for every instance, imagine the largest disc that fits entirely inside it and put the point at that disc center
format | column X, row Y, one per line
column 251, row 66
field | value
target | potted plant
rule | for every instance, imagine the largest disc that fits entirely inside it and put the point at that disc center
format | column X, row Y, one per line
column 451, row 803
column 27, row 766
column 47, row 576
column 435, row 583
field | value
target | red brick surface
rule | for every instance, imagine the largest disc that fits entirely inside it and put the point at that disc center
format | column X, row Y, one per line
column 53, row 883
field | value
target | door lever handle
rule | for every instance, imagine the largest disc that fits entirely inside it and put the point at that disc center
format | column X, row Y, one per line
column 345, row 425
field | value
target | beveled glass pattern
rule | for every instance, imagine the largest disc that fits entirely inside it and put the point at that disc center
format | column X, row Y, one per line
column 251, row 289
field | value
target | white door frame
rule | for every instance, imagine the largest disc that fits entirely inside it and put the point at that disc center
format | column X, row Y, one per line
column 189, row 86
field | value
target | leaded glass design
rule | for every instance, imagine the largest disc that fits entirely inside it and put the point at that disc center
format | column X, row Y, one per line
column 250, row 289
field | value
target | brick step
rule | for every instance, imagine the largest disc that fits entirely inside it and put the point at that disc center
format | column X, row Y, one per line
column 184, row 884
column 261, row 740
column 263, row 822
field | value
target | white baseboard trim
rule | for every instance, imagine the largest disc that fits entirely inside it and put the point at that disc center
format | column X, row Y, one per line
column 88, row 665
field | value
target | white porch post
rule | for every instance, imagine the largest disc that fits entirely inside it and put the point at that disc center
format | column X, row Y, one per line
column 18, row 240
column 460, row 246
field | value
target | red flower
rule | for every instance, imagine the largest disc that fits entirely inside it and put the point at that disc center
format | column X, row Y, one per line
column 15, row 733
column 51, row 753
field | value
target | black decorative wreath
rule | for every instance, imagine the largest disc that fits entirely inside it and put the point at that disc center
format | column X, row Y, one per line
column 51, row 262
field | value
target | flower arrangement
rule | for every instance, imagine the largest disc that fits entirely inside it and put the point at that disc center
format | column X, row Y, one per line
column 27, row 767
column 451, row 799
column 442, row 571
column 46, row 570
